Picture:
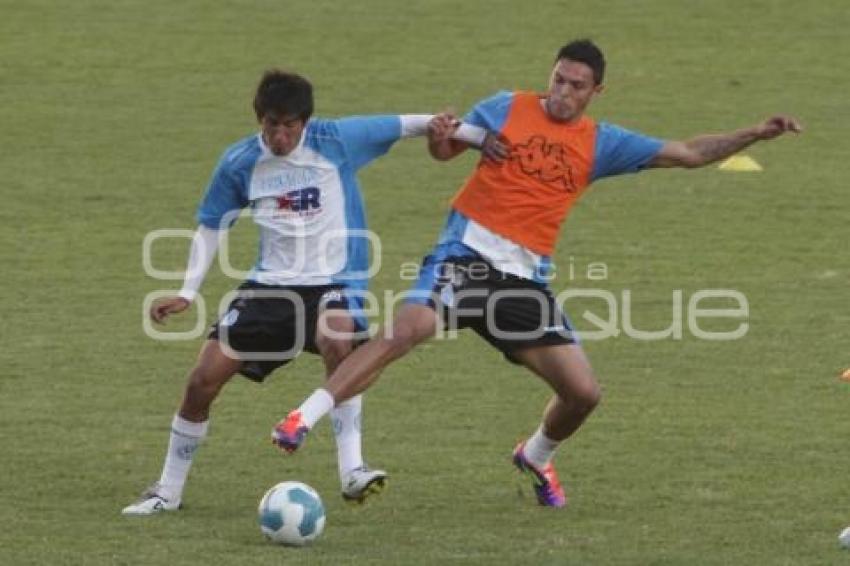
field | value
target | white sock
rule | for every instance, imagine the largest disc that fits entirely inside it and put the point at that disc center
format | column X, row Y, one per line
column 186, row 436
column 539, row 448
column 347, row 420
column 316, row 406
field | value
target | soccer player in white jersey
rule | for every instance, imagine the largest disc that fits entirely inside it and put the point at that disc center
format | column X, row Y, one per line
column 298, row 177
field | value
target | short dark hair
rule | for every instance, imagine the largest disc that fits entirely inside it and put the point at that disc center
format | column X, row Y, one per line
column 284, row 94
column 585, row 51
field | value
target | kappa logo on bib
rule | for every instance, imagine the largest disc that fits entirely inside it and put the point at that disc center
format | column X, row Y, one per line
column 546, row 161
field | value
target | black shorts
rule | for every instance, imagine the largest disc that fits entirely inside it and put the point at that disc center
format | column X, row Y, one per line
column 268, row 326
column 510, row 312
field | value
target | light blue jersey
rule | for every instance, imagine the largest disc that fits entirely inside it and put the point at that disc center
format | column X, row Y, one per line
column 306, row 204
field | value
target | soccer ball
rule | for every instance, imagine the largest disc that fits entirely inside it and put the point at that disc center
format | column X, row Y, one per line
column 291, row 513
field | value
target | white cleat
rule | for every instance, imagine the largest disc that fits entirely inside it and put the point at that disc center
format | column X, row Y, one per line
column 150, row 503
column 362, row 482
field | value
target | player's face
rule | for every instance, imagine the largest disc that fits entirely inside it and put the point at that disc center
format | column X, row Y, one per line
column 571, row 87
column 281, row 133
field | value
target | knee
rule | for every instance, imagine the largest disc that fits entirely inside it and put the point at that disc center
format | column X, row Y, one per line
column 580, row 393
column 587, row 395
column 332, row 349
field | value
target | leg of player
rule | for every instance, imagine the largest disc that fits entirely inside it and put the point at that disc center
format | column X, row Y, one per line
column 413, row 324
column 335, row 341
column 566, row 369
column 188, row 429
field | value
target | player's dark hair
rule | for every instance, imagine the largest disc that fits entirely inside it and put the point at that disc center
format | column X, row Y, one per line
column 283, row 94
column 585, row 51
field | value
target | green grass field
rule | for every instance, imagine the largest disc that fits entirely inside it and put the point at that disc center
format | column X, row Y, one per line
column 113, row 115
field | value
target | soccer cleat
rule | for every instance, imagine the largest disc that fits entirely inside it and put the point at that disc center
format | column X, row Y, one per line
column 150, row 503
column 547, row 487
column 362, row 482
column 289, row 433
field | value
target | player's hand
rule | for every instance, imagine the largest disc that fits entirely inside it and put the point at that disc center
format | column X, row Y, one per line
column 167, row 306
column 775, row 126
column 495, row 148
column 441, row 127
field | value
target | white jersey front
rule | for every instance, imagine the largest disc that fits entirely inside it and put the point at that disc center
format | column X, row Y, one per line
column 307, row 204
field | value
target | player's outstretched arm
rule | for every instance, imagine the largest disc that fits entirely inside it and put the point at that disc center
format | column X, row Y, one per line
column 201, row 254
column 706, row 149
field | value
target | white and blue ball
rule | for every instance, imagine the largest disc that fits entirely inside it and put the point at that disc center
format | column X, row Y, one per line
column 291, row 513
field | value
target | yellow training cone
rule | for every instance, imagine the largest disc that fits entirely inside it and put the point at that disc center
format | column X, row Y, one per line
column 740, row 163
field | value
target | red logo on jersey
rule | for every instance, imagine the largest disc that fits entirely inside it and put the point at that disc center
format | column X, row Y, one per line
column 303, row 201
column 285, row 202
column 546, row 161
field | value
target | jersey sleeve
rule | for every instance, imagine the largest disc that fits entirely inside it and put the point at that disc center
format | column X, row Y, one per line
column 225, row 196
column 619, row 151
column 491, row 113
column 366, row 138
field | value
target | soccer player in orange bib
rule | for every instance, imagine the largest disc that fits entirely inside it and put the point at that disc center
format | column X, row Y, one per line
column 489, row 269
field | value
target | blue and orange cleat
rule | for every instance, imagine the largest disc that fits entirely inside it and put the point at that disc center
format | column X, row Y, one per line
column 289, row 433
column 547, row 487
